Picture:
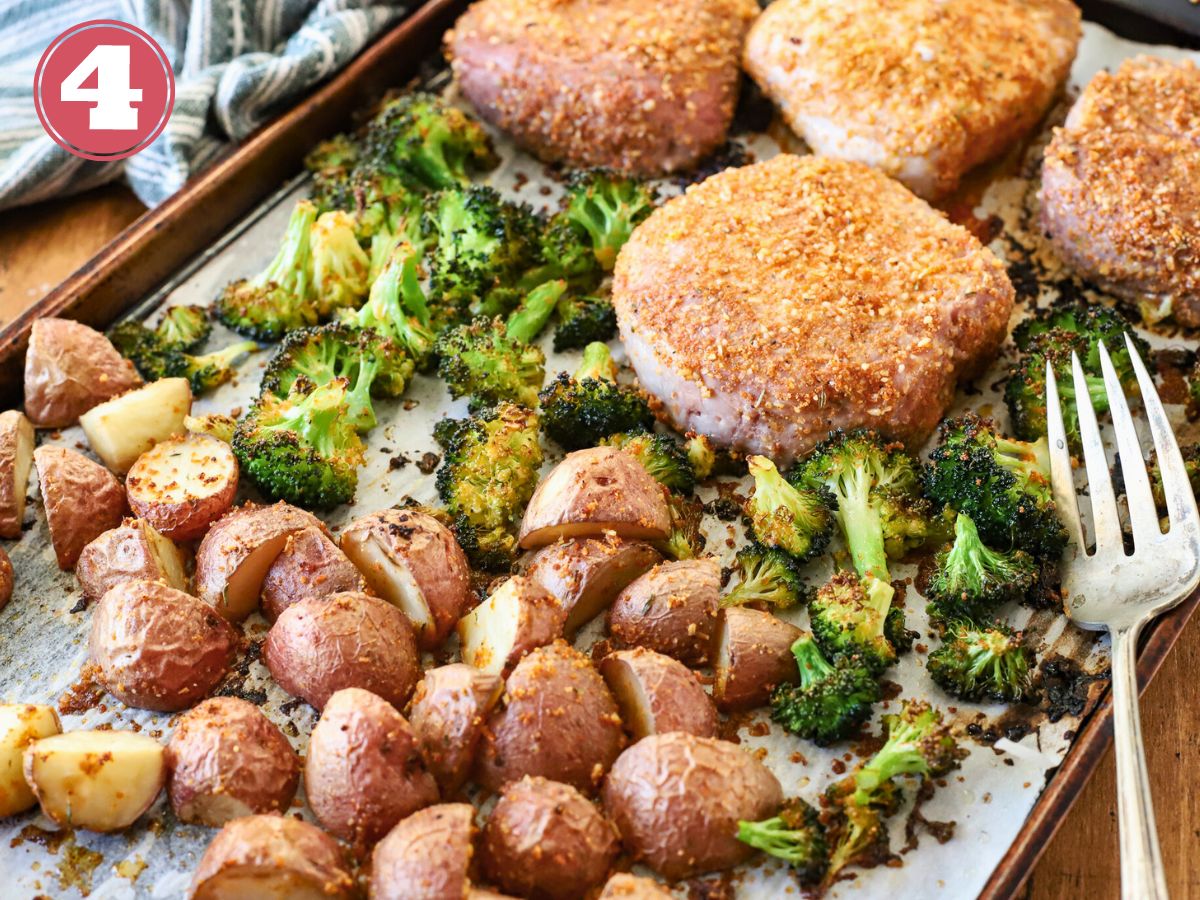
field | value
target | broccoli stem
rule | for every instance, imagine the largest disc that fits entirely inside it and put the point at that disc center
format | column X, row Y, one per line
column 970, row 555
column 1029, row 461
column 901, row 755
column 597, row 363
column 862, row 526
column 358, row 399
column 225, row 358
column 811, row 662
column 292, row 265
column 777, row 838
column 531, row 317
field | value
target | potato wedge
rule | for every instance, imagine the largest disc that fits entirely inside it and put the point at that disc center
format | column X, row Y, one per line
column 324, row 644
column 20, row 725
column 272, row 857
column 16, row 459
column 122, row 429
column 133, row 551
column 657, row 694
column 82, row 500
column 6, row 579
column 97, row 780
column 184, row 484
column 594, row 491
column 449, row 710
column 624, row 886
column 237, row 552
column 545, row 839
column 586, row 574
column 159, row 648
column 676, row 800
column 226, row 759
column 69, row 368
column 519, row 616
column 558, row 720
column 427, row 856
column 671, row 609
column 310, row 565
column 752, row 655
column 411, row 560
column 364, row 772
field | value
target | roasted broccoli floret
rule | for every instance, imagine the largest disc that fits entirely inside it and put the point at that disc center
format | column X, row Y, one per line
column 397, row 308
column 853, row 616
column 526, row 322
column 1003, row 485
column 332, row 163
column 389, row 209
column 341, row 267
column 795, row 515
column 969, row 580
column 855, row 835
column 832, row 700
column 767, row 577
column 218, row 425
column 580, row 410
column 606, row 206
column 796, row 836
column 436, row 142
column 975, row 663
column 487, row 475
column 918, row 743
column 686, row 540
column 302, row 449
column 1051, row 336
column 701, row 454
column 1191, row 465
column 154, row 358
column 660, row 455
column 582, row 320
column 185, row 327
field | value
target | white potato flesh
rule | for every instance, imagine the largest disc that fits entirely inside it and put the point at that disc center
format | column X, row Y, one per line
column 122, row 429
column 389, row 578
column 96, row 780
column 20, row 725
column 16, row 459
column 184, row 484
column 171, row 559
column 518, row 617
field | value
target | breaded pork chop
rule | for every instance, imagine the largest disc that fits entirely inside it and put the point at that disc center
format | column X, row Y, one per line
column 645, row 87
column 773, row 303
column 922, row 89
column 1121, row 184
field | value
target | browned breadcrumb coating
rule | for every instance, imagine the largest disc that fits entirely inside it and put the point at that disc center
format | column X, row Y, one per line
column 1121, row 184
column 642, row 87
column 923, row 89
column 774, row 302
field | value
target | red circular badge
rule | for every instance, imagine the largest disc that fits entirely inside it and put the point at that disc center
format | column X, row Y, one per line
column 104, row 90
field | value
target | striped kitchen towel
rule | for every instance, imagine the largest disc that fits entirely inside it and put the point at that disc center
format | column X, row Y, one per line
column 237, row 63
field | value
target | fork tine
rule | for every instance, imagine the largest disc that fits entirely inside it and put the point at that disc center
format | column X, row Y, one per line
column 1143, row 517
column 1105, row 521
column 1062, row 480
column 1181, row 502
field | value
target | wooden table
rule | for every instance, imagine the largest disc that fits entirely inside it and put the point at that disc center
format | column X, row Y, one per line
column 42, row 245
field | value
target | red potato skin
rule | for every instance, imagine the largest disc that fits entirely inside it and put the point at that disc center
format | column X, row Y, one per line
column 82, row 500
column 672, row 609
column 676, row 800
column 15, row 429
column 226, row 749
column 449, row 711
column 311, row 565
column 558, row 720
column 427, row 856
column 760, row 658
column 364, row 771
column 324, row 644
column 69, row 368
column 674, row 697
column 120, row 554
column 546, row 840
column 273, row 844
column 6, row 579
column 159, row 648
column 624, row 886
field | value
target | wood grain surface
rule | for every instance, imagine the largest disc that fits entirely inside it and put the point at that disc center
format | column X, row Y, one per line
column 41, row 245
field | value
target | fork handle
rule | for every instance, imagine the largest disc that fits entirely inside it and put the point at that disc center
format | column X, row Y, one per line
column 1142, row 876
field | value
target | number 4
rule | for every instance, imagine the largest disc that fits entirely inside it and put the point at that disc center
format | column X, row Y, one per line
column 112, row 94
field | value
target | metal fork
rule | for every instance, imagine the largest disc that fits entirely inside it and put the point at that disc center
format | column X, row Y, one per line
column 1118, row 592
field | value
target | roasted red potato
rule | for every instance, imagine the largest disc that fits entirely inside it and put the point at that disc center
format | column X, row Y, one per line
column 364, row 771
column 519, row 616
column 753, row 654
column 121, row 429
column 272, row 857
column 20, row 725
column 6, row 579
column 310, row 565
column 545, row 839
column 182, row 485
column 426, row 856
column 226, row 759
column 412, row 560
column 324, row 644
column 657, row 694
column 671, row 609
column 159, row 648
column 449, row 711
column 16, row 459
column 69, row 368
column 133, row 551
column 624, row 886
column 82, row 500
column 677, row 799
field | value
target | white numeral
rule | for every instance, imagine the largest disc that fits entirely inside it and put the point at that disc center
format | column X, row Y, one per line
column 112, row 94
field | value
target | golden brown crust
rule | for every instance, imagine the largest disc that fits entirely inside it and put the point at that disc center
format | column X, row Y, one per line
column 69, row 368
column 646, row 88
column 427, row 856
column 1121, row 184
column 672, row 609
column 182, row 485
column 774, row 302
column 81, row 498
column 310, row 565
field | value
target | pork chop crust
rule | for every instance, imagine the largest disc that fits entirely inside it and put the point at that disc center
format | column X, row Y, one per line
column 1120, row 191
column 642, row 87
column 923, row 89
column 775, row 302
